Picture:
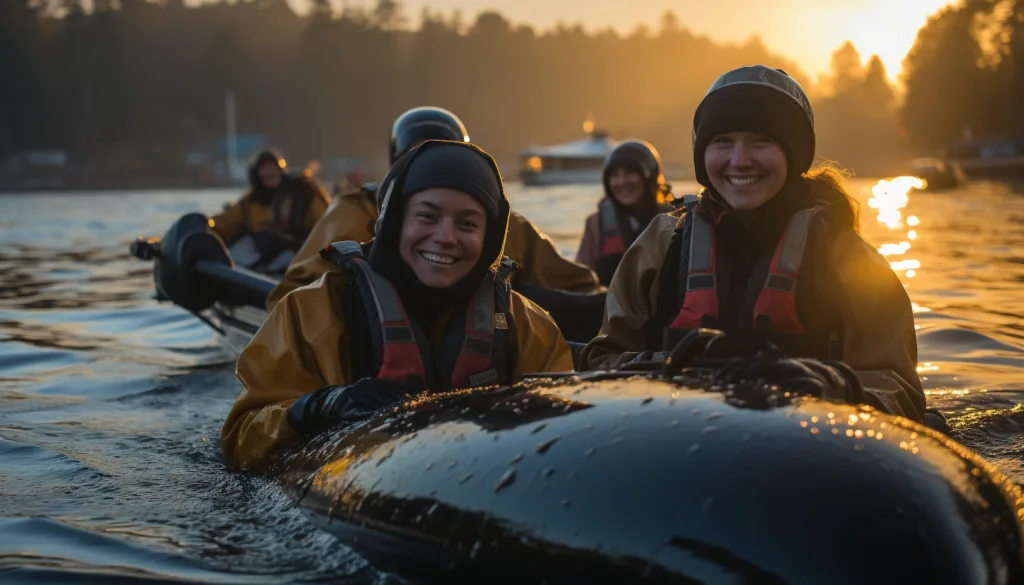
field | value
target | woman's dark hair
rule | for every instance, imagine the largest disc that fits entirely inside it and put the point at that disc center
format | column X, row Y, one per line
column 826, row 184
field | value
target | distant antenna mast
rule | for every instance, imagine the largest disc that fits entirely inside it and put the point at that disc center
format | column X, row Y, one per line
column 229, row 113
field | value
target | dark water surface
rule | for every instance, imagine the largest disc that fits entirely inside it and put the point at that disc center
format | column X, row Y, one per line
column 111, row 403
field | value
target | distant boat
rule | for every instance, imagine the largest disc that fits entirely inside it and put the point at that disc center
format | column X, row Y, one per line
column 992, row 158
column 579, row 161
column 937, row 173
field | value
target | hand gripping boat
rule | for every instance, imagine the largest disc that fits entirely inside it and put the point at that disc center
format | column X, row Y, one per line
column 614, row 477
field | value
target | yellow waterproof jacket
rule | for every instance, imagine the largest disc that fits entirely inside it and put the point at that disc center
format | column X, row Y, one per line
column 247, row 216
column 879, row 340
column 352, row 216
column 299, row 349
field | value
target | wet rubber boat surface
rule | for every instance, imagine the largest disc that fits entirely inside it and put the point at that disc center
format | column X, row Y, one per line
column 629, row 480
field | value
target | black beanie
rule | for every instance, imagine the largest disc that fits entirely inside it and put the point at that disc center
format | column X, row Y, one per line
column 761, row 100
column 455, row 167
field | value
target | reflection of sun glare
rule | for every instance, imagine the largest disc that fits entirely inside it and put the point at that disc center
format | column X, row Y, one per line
column 889, row 197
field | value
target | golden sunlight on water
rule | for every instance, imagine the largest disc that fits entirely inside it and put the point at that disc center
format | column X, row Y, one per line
column 889, row 197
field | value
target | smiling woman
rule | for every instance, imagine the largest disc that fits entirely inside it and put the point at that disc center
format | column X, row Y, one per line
column 769, row 253
column 426, row 306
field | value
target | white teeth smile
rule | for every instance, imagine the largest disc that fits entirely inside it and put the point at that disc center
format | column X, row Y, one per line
column 744, row 181
column 438, row 258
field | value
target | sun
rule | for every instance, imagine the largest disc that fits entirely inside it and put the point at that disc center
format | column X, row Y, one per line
column 888, row 29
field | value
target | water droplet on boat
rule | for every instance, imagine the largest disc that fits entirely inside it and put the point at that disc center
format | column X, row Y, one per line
column 476, row 549
column 505, row 480
column 516, row 459
column 432, row 509
column 543, row 447
column 589, row 452
column 465, row 478
column 693, row 449
column 708, row 429
column 453, row 464
column 548, row 472
column 564, row 503
column 538, row 429
column 646, row 401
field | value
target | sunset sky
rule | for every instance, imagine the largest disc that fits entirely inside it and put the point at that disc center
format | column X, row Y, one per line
column 805, row 30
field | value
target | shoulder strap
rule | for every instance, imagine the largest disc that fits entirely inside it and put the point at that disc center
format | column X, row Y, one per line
column 399, row 347
column 482, row 353
column 686, row 236
column 341, row 254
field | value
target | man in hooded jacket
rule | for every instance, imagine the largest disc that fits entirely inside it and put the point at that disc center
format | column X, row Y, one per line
column 268, row 224
column 321, row 358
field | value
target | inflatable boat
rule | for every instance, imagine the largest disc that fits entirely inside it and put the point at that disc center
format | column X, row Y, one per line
column 193, row 269
column 656, row 476
column 621, row 478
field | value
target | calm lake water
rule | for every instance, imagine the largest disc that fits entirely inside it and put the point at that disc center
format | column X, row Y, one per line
column 111, row 403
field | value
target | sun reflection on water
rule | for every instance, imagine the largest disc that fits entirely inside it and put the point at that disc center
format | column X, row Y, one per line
column 890, row 197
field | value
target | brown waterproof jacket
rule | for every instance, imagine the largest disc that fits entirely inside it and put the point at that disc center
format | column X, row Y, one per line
column 299, row 349
column 879, row 341
column 247, row 216
column 352, row 216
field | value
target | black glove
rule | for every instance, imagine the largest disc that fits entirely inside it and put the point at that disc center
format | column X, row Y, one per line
column 331, row 405
column 271, row 243
column 829, row 380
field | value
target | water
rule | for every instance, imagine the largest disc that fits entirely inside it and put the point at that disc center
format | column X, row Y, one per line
column 111, row 404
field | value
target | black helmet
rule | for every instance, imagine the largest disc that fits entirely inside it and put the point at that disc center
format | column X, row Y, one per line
column 424, row 123
column 756, row 99
column 640, row 156
column 258, row 160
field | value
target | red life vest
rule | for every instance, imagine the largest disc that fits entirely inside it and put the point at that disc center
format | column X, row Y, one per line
column 775, row 309
column 612, row 243
column 401, row 347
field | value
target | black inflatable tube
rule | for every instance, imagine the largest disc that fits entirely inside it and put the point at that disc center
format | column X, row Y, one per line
column 578, row 315
column 635, row 480
column 243, row 285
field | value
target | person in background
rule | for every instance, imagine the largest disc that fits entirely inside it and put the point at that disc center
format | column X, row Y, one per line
column 265, row 228
column 634, row 192
column 769, row 252
column 425, row 307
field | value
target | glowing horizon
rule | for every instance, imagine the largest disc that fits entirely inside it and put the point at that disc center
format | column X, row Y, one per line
column 804, row 31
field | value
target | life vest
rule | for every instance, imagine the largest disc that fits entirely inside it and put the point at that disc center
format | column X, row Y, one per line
column 288, row 209
column 474, row 349
column 612, row 243
column 774, row 313
column 288, row 212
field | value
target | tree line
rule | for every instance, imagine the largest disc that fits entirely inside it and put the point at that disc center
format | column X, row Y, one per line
column 128, row 87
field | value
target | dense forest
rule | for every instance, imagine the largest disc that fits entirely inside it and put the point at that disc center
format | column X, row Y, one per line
column 128, row 87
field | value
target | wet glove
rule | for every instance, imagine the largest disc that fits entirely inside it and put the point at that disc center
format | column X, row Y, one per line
column 831, row 380
column 331, row 405
column 271, row 243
